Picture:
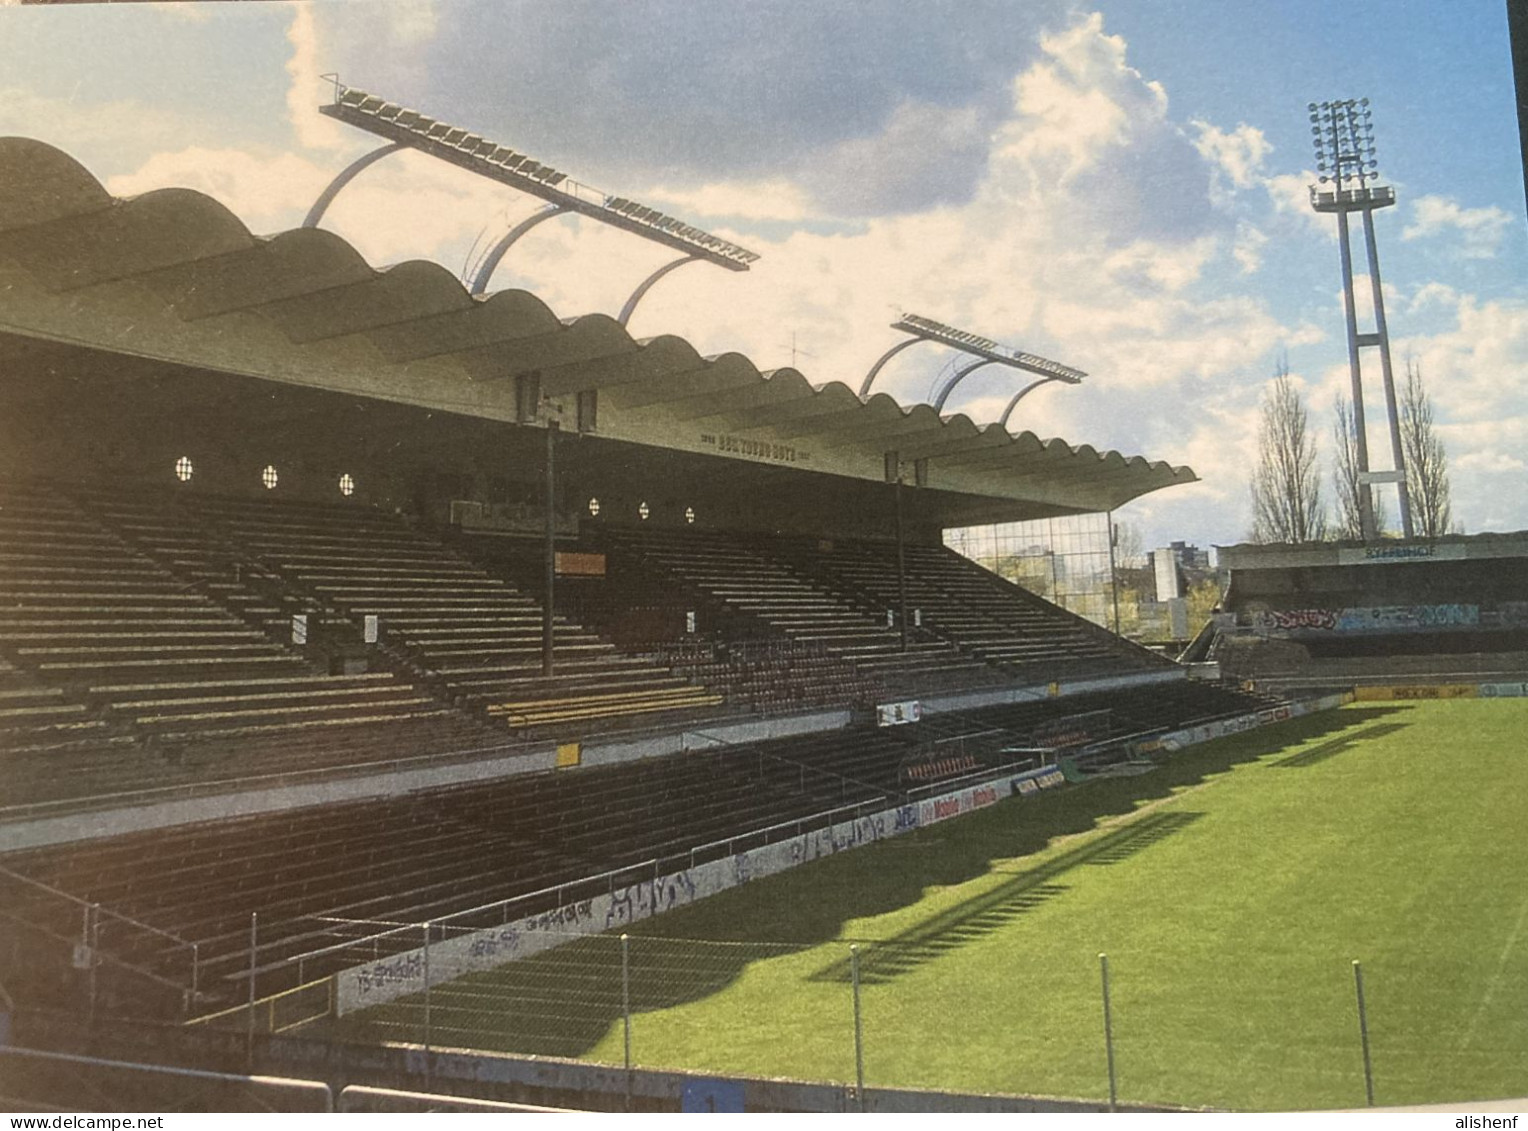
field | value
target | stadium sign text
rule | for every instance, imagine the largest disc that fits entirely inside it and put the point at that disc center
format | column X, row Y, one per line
column 753, row 449
column 1400, row 552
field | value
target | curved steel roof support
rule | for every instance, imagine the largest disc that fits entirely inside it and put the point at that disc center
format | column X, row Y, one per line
column 949, row 386
column 346, row 175
column 490, row 262
column 885, row 357
column 647, row 285
column 1017, row 397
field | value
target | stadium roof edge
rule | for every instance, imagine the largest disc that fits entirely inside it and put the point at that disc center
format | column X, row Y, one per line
column 173, row 275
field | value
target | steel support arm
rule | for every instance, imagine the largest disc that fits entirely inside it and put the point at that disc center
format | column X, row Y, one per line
column 346, row 175
column 885, row 357
column 491, row 261
column 647, row 285
column 1017, row 397
column 949, row 386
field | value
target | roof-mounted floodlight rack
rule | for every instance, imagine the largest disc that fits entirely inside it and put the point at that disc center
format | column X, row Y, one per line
column 478, row 154
column 978, row 346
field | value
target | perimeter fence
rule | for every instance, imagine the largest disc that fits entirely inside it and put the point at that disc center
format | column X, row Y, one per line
column 879, row 1013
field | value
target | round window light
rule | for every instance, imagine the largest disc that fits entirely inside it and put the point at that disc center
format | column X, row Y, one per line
column 594, row 508
column 644, row 510
column 183, row 468
column 689, row 515
column 347, row 485
column 268, row 476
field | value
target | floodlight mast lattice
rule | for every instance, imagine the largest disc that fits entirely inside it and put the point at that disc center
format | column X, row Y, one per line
column 408, row 129
column 985, row 350
column 1343, row 136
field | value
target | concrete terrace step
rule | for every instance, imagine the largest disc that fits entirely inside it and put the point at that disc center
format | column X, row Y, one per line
column 277, row 682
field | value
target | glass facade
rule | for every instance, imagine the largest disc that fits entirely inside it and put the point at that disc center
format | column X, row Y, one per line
column 1065, row 560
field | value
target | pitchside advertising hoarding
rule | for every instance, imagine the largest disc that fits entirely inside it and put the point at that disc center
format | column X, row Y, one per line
column 898, row 714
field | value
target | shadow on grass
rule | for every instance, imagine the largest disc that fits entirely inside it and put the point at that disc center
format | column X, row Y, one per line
column 992, row 910
column 1332, row 747
column 565, row 1001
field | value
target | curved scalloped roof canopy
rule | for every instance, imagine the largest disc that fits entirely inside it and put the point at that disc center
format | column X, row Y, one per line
column 173, row 275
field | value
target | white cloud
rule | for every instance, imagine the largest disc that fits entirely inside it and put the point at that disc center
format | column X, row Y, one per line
column 84, row 129
column 1489, row 462
column 306, row 90
column 924, row 155
column 1248, row 249
column 1238, row 153
column 412, row 22
column 268, row 193
column 1289, row 193
column 1477, row 232
column 774, row 199
column 1433, row 294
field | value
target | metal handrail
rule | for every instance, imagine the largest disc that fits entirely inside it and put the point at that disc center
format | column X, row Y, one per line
column 98, row 909
column 502, row 905
column 192, row 1073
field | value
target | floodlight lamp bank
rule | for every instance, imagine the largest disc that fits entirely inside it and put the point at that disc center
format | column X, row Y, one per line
column 974, row 343
column 501, row 163
column 1342, row 133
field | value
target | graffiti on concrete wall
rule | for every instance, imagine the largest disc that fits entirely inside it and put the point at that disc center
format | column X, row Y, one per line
column 1367, row 618
column 376, row 983
column 1293, row 620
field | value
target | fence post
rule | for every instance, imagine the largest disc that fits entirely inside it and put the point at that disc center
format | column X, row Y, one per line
column 1363, row 1031
column 92, row 946
column 859, row 1034
column 1103, row 965
column 626, row 1010
column 254, row 929
column 426, row 927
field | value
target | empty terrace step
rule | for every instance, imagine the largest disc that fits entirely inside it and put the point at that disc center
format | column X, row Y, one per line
column 268, row 683
column 204, row 702
column 219, row 712
column 247, row 730
column 602, row 705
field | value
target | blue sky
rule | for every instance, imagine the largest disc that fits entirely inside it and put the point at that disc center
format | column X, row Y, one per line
column 1118, row 185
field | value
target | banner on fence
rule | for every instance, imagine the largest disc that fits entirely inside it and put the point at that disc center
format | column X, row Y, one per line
column 1420, row 691
column 1204, row 732
column 1504, row 690
column 1034, row 781
column 385, row 980
column 898, row 714
column 376, row 983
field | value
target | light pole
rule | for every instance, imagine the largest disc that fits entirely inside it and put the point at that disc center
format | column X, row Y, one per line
column 1342, row 133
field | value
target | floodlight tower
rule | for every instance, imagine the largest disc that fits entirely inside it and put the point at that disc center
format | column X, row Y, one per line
column 1343, row 135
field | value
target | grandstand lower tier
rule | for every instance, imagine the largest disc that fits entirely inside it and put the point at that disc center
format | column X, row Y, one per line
column 182, row 917
column 156, row 639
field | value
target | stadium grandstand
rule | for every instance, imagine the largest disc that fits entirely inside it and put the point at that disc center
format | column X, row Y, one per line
column 334, row 597
column 1394, row 613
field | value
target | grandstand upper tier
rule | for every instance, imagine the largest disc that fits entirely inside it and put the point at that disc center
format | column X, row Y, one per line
column 265, row 508
column 176, row 282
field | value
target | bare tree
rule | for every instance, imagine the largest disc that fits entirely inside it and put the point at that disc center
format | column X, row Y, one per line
column 1345, row 482
column 1286, row 485
column 1432, row 511
column 1129, row 547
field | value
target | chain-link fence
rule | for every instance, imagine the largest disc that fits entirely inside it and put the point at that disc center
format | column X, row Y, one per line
column 887, row 1013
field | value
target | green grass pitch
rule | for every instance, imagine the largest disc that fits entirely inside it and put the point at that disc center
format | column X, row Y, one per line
column 1231, row 889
